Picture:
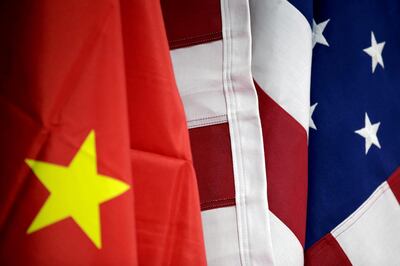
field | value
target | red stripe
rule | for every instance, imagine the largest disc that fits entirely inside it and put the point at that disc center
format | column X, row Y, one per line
column 212, row 159
column 327, row 252
column 394, row 183
column 192, row 22
column 285, row 147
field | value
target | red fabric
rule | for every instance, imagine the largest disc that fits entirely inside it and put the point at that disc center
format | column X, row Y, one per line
column 394, row 183
column 192, row 22
column 62, row 75
column 212, row 158
column 327, row 252
column 167, row 204
column 285, row 147
column 68, row 67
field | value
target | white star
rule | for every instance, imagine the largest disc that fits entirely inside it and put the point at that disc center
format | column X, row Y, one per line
column 369, row 133
column 312, row 109
column 375, row 51
column 317, row 34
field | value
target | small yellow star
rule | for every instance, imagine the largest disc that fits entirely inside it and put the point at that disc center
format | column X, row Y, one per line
column 76, row 191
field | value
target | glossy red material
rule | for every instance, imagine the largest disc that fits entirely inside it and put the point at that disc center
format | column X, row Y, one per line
column 68, row 67
column 167, row 206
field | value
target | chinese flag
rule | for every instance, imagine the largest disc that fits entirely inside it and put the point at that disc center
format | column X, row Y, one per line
column 66, row 192
column 95, row 160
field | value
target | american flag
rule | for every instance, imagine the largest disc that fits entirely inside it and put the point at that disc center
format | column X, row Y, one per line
column 326, row 74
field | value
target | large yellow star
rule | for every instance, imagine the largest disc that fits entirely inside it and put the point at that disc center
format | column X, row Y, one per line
column 76, row 191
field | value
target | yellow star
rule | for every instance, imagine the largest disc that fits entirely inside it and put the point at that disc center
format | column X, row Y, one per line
column 76, row 191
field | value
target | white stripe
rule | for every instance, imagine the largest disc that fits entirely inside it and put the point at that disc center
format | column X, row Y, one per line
column 198, row 73
column 221, row 237
column 287, row 248
column 245, row 131
column 371, row 235
column 282, row 49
